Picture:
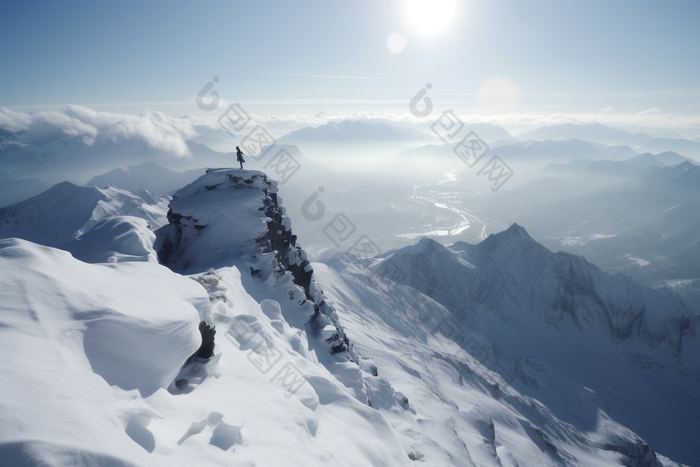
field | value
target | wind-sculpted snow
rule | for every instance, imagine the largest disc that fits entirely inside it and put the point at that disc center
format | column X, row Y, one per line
column 66, row 211
column 69, row 330
column 93, row 354
column 634, row 346
column 114, row 240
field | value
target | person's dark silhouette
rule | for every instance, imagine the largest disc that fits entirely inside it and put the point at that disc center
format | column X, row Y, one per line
column 239, row 156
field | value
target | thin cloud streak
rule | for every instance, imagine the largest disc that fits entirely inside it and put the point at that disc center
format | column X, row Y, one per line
column 302, row 75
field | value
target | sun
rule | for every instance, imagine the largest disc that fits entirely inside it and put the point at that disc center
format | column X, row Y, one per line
column 430, row 16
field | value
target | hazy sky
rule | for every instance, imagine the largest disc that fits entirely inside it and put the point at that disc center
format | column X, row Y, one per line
column 287, row 57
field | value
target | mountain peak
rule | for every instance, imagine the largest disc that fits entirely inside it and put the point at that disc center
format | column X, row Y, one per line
column 353, row 131
column 515, row 234
column 6, row 133
column 425, row 245
column 517, row 230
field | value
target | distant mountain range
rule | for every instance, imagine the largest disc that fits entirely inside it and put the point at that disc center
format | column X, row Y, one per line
column 663, row 159
column 598, row 133
column 681, row 146
column 539, row 152
column 551, row 150
column 13, row 190
column 147, row 176
column 349, row 131
column 593, row 132
column 58, row 156
column 492, row 133
column 555, row 312
column 626, row 168
column 644, row 225
column 66, row 211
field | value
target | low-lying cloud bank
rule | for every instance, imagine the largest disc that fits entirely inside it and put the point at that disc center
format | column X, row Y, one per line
column 162, row 133
column 168, row 135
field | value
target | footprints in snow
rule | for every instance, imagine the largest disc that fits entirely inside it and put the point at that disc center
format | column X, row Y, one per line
column 137, row 430
column 223, row 435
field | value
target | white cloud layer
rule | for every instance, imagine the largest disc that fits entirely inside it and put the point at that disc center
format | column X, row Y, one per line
column 165, row 134
column 168, row 134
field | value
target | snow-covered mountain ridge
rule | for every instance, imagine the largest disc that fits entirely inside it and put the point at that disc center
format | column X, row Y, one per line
column 66, row 211
column 560, row 287
column 310, row 364
column 633, row 345
column 278, row 388
column 473, row 406
column 231, row 217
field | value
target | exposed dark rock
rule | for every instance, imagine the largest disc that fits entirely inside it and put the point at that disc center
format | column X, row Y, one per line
column 402, row 400
column 206, row 349
column 290, row 257
column 637, row 454
column 415, row 456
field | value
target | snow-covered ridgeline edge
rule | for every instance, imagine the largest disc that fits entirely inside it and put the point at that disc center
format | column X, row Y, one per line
column 276, row 253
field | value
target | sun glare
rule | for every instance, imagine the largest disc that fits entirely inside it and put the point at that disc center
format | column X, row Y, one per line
column 396, row 43
column 430, row 16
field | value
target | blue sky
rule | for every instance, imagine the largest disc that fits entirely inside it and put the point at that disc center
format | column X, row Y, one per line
column 303, row 57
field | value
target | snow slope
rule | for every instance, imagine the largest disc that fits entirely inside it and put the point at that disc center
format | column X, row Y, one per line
column 466, row 407
column 104, row 363
column 82, row 346
column 121, row 331
column 65, row 211
column 114, row 240
column 232, row 217
column 635, row 347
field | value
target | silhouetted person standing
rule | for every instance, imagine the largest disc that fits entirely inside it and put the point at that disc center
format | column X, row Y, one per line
column 239, row 156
